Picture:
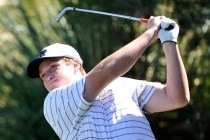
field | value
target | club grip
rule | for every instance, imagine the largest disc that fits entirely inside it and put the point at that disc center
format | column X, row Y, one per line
column 143, row 20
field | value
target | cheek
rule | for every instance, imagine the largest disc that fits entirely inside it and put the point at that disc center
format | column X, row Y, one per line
column 68, row 72
column 66, row 75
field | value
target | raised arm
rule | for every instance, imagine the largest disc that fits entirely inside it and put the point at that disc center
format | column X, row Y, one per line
column 119, row 62
column 175, row 93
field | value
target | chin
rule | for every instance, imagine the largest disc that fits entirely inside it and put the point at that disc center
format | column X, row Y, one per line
column 56, row 86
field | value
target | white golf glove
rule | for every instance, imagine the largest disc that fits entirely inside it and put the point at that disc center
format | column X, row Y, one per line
column 169, row 31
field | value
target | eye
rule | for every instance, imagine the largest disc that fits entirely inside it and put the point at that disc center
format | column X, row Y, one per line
column 53, row 67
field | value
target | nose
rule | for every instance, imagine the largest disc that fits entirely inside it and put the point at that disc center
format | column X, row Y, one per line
column 49, row 77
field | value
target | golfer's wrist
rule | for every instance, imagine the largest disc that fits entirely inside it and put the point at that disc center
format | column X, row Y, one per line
column 169, row 43
column 154, row 34
column 169, row 47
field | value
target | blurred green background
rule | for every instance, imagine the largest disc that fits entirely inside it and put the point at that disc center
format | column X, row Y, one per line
column 28, row 26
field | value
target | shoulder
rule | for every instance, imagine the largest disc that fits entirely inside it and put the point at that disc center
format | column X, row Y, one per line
column 76, row 85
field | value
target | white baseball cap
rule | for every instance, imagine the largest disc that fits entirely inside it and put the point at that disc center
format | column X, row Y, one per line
column 52, row 51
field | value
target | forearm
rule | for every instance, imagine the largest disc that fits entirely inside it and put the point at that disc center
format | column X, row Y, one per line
column 116, row 64
column 177, row 83
column 122, row 60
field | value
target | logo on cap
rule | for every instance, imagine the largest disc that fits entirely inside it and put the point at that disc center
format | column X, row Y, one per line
column 43, row 53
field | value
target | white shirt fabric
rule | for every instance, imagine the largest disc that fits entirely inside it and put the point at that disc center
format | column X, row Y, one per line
column 115, row 114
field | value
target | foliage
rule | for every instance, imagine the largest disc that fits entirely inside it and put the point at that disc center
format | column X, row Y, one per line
column 28, row 26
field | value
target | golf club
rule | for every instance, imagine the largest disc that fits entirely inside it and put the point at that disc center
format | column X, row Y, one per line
column 142, row 20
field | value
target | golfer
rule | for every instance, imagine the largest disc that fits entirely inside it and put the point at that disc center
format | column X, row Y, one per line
column 102, row 104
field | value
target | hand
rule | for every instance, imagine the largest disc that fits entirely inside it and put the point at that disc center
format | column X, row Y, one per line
column 154, row 24
column 170, row 35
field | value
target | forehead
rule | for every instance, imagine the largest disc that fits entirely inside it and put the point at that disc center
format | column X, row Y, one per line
column 50, row 60
column 46, row 62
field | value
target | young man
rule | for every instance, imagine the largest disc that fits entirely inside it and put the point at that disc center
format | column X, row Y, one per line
column 101, row 104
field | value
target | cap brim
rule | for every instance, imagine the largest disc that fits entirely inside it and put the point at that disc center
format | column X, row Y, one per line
column 33, row 67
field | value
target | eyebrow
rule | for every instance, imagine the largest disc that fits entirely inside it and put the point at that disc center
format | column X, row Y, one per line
column 50, row 60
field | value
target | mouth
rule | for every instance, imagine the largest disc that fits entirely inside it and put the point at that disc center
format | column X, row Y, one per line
column 51, row 83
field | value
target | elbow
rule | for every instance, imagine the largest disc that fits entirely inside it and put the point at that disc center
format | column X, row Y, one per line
column 184, row 100
column 186, row 97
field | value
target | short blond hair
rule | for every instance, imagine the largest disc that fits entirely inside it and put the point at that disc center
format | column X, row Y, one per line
column 69, row 61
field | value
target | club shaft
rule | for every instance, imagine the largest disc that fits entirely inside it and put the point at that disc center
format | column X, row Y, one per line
column 99, row 12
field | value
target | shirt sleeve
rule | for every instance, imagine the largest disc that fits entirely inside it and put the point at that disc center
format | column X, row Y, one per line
column 147, row 89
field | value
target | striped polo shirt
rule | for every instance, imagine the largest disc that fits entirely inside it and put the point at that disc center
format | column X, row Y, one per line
column 115, row 114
